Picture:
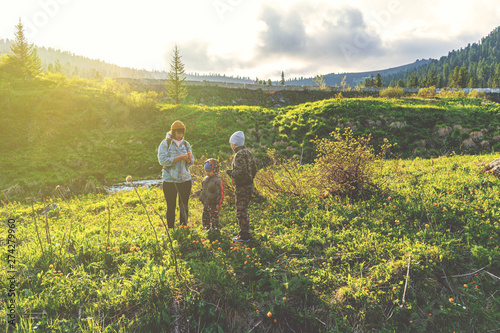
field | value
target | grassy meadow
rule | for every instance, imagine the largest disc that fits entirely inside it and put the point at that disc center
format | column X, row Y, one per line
column 417, row 252
column 402, row 259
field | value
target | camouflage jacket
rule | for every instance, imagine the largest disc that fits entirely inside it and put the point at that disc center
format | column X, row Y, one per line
column 244, row 168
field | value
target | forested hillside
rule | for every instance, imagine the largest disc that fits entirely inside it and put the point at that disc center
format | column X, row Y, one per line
column 70, row 64
column 475, row 66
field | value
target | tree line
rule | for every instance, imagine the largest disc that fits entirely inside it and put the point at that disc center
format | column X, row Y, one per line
column 475, row 66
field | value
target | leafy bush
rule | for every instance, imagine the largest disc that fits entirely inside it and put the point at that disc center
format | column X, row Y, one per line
column 392, row 92
column 451, row 93
column 429, row 92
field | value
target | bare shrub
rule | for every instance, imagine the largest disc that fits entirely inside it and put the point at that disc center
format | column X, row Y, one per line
column 345, row 165
column 284, row 177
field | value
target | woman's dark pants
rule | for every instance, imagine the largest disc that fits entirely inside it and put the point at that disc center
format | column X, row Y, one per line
column 171, row 191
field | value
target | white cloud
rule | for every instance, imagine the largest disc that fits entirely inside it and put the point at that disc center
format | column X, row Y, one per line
column 255, row 38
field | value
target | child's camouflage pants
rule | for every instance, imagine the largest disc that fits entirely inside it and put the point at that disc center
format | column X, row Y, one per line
column 243, row 195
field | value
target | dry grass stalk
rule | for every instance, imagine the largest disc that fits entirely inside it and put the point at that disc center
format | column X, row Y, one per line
column 36, row 228
column 128, row 179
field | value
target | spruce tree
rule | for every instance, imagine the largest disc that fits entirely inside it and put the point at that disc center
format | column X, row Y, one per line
column 378, row 81
column 24, row 60
column 431, row 79
column 176, row 79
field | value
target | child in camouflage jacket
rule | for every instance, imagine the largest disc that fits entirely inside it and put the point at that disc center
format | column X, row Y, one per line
column 242, row 175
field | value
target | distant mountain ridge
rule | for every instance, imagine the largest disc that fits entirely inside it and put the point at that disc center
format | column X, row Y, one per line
column 352, row 79
column 72, row 65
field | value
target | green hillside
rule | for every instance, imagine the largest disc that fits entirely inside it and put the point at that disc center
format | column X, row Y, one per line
column 60, row 131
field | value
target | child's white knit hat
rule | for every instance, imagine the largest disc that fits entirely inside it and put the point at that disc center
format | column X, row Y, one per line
column 238, row 138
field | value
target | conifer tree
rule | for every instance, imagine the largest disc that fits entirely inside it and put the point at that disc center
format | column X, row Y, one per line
column 431, row 79
column 24, row 60
column 176, row 78
column 412, row 81
column 282, row 78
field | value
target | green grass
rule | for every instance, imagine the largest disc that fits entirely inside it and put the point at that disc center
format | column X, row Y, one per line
column 315, row 265
column 71, row 132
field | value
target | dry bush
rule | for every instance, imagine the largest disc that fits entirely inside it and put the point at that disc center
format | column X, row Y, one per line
column 344, row 165
column 283, row 177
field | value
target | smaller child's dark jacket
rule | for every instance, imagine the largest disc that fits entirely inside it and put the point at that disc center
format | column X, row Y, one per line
column 212, row 190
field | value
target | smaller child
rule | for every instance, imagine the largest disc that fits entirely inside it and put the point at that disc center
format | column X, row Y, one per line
column 211, row 195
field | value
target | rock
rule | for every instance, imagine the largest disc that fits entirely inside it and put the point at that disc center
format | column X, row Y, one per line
column 493, row 167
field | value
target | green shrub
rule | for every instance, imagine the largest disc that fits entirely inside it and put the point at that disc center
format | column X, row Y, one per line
column 429, row 92
column 392, row 92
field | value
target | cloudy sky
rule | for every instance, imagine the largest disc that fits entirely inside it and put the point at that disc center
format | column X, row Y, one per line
column 254, row 38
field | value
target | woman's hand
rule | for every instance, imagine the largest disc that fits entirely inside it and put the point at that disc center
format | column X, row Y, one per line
column 218, row 207
column 182, row 157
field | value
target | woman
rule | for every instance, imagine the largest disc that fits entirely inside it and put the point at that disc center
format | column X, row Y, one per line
column 175, row 155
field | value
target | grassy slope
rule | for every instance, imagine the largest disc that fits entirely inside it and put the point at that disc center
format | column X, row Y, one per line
column 75, row 132
column 315, row 265
column 340, row 266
